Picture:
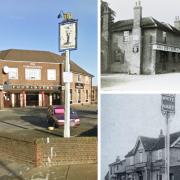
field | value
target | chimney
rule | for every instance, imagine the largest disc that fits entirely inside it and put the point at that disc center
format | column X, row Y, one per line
column 117, row 159
column 161, row 134
column 137, row 14
column 177, row 23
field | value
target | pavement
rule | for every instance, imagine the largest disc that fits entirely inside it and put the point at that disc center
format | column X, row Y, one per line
column 140, row 83
column 11, row 170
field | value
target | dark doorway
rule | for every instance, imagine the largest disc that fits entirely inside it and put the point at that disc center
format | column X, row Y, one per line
column 46, row 100
column 17, row 99
column 7, row 100
column 32, row 99
column 56, row 99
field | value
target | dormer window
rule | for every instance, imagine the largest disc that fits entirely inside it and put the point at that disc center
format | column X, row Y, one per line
column 79, row 78
column 131, row 160
column 140, row 157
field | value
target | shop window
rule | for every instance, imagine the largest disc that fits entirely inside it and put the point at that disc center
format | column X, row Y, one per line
column 71, row 96
column 13, row 73
column 174, row 57
column 171, row 176
column 51, row 74
column 79, row 95
column 164, row 37
column 159, row 177
column 87, row 96
column 126, row 36
column 33, row 74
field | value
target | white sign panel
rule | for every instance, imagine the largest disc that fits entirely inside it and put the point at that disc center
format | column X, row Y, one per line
column 168, row 103
column 67, row 77
column 68, row 33
column 166, row 48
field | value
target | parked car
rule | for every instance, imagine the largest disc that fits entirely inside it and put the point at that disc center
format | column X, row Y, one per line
column 55, row 116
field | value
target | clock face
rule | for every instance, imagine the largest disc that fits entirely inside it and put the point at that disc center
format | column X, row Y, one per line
column 6, row 69
column 68, row 36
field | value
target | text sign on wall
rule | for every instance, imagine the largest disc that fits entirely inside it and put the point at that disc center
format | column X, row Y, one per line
column 166, row 48
column 68, row 35
column 168, row 103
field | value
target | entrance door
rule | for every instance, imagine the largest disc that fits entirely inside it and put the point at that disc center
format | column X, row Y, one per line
column 46, row 100
column 17, row 99
column 32, row 99
column 164, row 60
column 7, row 100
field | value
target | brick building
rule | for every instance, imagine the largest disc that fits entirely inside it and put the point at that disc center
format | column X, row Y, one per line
column 141, row 45
column 35, row 78
column 146, row 161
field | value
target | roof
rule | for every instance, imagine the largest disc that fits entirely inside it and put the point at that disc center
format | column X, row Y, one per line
column 153, row 144
column 39, row 56
column 147, row 22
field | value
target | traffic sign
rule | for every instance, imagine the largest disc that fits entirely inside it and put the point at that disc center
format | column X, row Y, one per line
column 168, row 103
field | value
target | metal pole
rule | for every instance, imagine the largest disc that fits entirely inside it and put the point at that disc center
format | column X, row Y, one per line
column 67, row 99
column 167, row 143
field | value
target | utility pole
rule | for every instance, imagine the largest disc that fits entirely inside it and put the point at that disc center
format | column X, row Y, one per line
column 67, row 42
column 167, row 109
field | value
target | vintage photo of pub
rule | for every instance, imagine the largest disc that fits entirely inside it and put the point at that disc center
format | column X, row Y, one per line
column 140, row 137
column 140, row 45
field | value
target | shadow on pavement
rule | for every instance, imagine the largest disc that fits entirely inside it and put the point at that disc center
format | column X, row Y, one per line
column 13, row 176
column 90, row 133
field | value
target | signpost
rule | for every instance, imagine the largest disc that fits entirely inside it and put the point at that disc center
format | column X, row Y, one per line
column 67, row 42
column 167, row 109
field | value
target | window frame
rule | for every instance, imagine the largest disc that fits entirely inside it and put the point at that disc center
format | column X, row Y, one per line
column 49, row 71
column 17, row 75
column 31, row 69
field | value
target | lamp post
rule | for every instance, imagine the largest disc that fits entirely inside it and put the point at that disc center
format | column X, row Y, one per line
column 167, row 109
column 67, row 42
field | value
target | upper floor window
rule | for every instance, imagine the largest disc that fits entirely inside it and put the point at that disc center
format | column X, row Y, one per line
column 51, row 74
column 33, row 74
column 164, row 37
column 131, row 160
column 126, row 36
column 79, row 78
column 140, row 157
column 13, row 73
column 159, row 154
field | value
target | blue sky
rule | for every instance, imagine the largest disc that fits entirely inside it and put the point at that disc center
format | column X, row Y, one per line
column 34, row 25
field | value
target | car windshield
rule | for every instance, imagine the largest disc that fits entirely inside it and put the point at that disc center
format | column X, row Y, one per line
column 58, row 111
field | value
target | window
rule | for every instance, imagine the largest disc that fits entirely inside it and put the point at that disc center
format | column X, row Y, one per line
column 79, row 78
column 126, row 36
column 87, row 95
column 79, row 95
column 71, row 96
column 159, row 177
column 140, row 157
column 159, row 152
column 51, row 73
column 13, row 73
column 33, row 74
column 131, row 160
column 164, row 37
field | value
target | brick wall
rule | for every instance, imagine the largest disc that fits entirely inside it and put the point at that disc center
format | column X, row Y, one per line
column 49, row 151
column 58, row 151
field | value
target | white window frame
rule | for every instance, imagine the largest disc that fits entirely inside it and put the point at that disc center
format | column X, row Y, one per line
column 159, row 154
column 131, row 159
column 14, row 71
column 51, row 74
column 33, row 77
column 79, row 78
column 126, row 36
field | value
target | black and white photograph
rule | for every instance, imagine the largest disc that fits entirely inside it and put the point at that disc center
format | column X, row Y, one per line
column 140, row 45
column 136, row 131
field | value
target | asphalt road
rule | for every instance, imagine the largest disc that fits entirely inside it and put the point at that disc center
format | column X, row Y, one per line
column 140, row 83
column 34, row 120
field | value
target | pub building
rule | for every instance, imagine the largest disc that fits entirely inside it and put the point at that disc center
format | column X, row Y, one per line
column 141, row 45
column 35, row 78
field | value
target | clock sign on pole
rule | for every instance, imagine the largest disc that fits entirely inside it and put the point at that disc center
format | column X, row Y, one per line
column 67, row 42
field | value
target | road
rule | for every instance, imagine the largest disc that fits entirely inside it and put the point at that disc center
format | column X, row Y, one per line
column 34, row 119
column 141, row 83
